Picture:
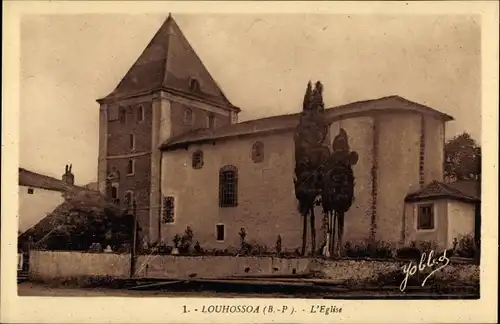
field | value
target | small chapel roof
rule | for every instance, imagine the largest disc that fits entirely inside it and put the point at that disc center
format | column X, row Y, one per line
column 170, row 63
column 467, row 191
column 289, row 122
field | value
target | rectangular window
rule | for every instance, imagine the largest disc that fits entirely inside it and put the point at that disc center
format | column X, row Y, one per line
column 425, row 217
column 168, row 209
column 132, row 141
column 131, row 167
column 228, row 186
column 122, row 115
column 30, row 191
column 188, row 117
column 219, row 229
column 140, row 113
column 211, row 121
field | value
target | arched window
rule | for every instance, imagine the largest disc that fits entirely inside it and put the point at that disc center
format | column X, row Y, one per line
column 258, row 152
column 140, row 113
column 114, row 192
column 194, row 85
column 228, row 186
column 188, row 116
column 129, row 198
column 197, row 159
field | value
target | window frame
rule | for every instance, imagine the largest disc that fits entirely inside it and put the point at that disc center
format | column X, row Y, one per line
column 433, row 220
column 116, row 187
column 131, row 202
column 131, row 142
column 133, row 167
column 217, row 232
column 163, row 209
column 258, row 145
column 224, row 187
column 200, row 154
column 194, row 84
column 188, row 112
column 140, row 114
column 210, row 120
column 122, row 115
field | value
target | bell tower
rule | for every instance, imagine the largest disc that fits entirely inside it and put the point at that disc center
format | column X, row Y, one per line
column 167, row 92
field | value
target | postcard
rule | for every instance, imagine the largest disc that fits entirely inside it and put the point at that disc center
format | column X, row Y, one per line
column 189, row 162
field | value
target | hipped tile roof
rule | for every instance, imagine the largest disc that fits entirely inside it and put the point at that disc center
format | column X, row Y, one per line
column 169, row 63
column 467, row 191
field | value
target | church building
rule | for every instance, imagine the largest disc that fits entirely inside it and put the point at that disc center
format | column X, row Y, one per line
column 171, row 141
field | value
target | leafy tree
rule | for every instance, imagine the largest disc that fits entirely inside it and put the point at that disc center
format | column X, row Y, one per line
column 462, row 159
column 82, row 219
column 337, row 192
column 310, row 155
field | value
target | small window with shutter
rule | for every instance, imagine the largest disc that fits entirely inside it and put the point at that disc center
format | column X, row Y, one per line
column 197, row 162
column 258, row 152
column 426, row 217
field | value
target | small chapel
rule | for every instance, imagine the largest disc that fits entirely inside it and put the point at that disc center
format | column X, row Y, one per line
column 170, row 141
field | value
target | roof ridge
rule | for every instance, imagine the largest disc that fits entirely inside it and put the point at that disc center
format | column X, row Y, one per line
column 51, row 178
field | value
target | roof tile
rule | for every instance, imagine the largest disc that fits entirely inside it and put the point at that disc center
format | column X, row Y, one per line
column 285, row 122
column 439, row 190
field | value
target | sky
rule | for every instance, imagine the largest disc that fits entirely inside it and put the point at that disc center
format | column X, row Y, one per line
column 262, row 62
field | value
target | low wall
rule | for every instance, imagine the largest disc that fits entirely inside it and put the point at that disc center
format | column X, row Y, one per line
column 46, row 265
column 167, row 266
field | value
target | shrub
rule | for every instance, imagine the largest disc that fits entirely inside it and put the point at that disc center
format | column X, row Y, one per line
column 163, row 249
column 466, row 247
column 408, row 252
column 176, row 240
column 416, row 248
column 278, row 245
column 369, row 249
column 186, row 240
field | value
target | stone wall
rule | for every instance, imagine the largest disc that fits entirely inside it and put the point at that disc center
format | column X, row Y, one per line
column 216, row 266
column 266, row 208
column 47, row 266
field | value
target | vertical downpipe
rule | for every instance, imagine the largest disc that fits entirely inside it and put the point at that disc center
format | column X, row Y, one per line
column 375, row 150
column 161, row 199
column 422, row 152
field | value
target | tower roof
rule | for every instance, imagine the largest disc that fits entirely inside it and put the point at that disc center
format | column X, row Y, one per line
column 170, row 63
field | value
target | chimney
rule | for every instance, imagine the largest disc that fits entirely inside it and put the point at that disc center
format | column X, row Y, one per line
column 68, row 177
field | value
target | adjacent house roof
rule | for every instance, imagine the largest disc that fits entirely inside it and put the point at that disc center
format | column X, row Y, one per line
column 80, row 204
column 36, row 180
column 467, row 191
column 169, row 63
column 289, row 122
